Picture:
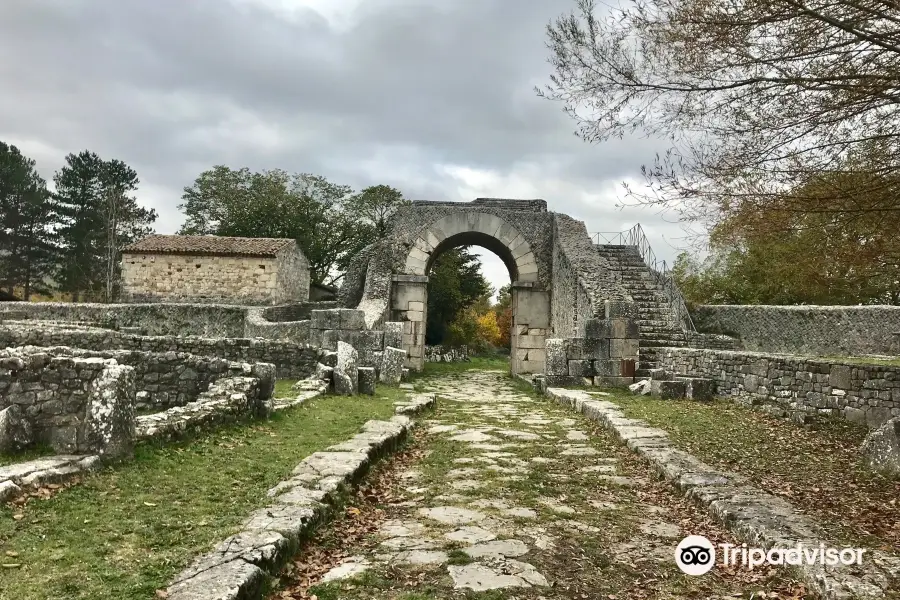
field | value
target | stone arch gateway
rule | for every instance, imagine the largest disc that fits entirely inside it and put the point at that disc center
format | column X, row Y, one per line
column 559, row 280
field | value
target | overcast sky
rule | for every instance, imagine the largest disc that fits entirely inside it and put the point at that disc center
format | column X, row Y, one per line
column 434, row 98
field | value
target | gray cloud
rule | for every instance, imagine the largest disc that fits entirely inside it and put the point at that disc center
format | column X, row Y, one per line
column 405, row 94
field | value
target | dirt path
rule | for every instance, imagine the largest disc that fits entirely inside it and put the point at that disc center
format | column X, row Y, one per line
column 513, row 497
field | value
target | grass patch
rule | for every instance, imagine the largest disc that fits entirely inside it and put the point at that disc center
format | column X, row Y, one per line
column 283, row 388
column 126, row 531
column 815, row 468
column 458, row 557
column 490, row 362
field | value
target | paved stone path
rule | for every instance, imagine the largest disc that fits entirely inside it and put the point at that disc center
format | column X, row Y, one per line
column 515, row 494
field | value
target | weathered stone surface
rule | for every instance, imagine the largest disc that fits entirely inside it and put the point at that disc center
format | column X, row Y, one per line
column 881, row 448
column 226, row 400
column 392, row 365
column 227, row 270
column 641, row 388
column 668, row 390
column 324, row 373
column 509, row 548
column 9, row 490
column 366, row 380
column 698, row 388
column 15, row 430
column 557, row 364
column 234, row 580
column 350, row 567
column 110, row 416
column 346, row 374
column 446, row 354
column 265, row 372
column 415, row 404
column 329, row 358
column 393, row 334
column 452, row 515
column 806, row 330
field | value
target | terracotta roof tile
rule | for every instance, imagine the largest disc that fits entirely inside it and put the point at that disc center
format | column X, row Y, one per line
column 208, row 244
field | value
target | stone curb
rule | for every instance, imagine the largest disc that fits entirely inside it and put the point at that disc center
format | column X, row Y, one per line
column 239, row 567
column 415, row 404
column 42, row 471
column 752, row 515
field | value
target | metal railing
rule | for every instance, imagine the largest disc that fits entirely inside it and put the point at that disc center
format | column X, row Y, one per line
column 661, row 272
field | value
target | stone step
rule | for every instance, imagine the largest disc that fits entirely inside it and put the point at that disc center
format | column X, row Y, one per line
column 661, row 343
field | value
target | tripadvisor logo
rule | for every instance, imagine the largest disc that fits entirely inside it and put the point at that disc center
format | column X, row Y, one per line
column 696, row 555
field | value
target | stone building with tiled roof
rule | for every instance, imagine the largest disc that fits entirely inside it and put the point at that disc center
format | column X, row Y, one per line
column 213, row 269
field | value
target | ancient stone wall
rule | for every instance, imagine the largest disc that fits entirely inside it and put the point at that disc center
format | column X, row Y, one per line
column 860, row 393
column 583, row 285
column 291, row 277
column 75, row 405
column 162, row 379
column 226, row 400
column 806, row 330
column 153, row 319
column 606, row 355
column 447, row 354
column 198, row 278
column 291, row 360
column 187, row 278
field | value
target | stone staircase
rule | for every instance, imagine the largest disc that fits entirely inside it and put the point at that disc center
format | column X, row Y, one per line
column 659, row 326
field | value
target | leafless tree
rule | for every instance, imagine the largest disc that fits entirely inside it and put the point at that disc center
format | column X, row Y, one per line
column 758, row 99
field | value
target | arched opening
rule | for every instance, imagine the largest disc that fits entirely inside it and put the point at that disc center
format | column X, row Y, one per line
column 530, row 303
column 463, row 306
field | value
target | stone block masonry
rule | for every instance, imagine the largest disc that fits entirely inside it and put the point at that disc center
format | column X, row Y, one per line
column 75, row 405
column 228, row 399
column 446, row 354
column 291, row 360
column 408, row 300
column 204, row 320
column 806, row 330
column 174, row 268
column 602, row 359
column 866, row 394
column 167, row 379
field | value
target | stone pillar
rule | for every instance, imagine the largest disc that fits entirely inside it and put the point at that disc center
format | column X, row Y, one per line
column 409, row 297
column 530, row 328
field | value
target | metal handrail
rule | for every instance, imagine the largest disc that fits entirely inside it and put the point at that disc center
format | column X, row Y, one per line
column 660, row 271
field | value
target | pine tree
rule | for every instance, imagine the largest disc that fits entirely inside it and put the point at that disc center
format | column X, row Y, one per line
column 97, row 219
column 27, row 251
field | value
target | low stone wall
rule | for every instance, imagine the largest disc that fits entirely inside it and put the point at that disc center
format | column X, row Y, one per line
column 300, row 311
column 75, row 405
column 291, row 360
column 860, row 393
column 210, row 320
column 165, row 379
column 446, row 353
column 809, row 330
column 258, row 327
column 226, row 400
